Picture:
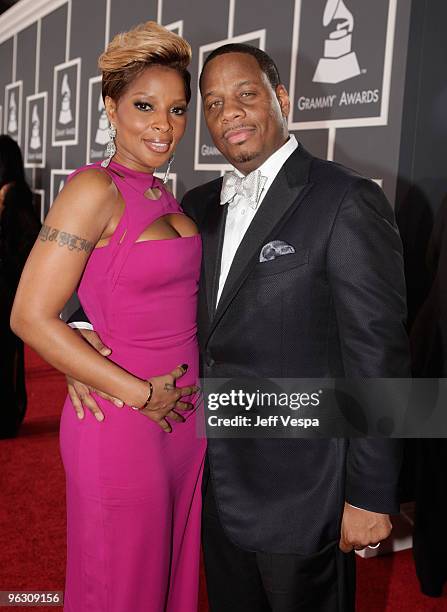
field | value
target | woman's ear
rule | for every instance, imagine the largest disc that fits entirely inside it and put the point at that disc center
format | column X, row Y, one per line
column 110, row 107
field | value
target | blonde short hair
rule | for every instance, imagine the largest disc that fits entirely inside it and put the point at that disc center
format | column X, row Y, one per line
column 129, row 53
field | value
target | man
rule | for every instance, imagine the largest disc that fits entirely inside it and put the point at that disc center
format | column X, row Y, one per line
column 302, row 277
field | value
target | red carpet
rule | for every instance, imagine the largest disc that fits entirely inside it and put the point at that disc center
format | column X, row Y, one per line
column 32, row 513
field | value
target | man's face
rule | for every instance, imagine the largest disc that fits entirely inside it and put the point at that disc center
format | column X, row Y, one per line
column 246, row 118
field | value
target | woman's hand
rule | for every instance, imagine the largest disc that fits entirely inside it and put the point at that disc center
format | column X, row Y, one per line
column 166, row 398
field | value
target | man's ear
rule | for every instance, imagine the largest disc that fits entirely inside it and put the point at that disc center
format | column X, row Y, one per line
column 283, row 99
column 110, row 107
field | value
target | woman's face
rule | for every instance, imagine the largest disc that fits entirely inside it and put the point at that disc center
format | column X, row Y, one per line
column 150, row 118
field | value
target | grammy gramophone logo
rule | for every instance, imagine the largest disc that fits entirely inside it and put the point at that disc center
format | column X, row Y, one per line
column 339, row 62
column 102, row 136
column 65, row 114
column 35, row 130
column 97, row 122
column 12, row 114
column 35, row 140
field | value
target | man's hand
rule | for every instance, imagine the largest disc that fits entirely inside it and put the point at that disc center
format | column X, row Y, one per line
column 80, row 393
column 361, row 528
column 80, row 396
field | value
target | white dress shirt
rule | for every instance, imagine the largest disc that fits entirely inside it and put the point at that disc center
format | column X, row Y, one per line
column 241, row 214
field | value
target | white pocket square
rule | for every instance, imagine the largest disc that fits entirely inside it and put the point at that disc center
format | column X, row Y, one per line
column 275, row 249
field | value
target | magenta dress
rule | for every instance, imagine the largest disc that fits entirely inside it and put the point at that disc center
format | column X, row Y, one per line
column 134, row 491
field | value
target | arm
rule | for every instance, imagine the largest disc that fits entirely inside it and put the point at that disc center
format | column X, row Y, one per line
column 365, row 271
column 83, row 213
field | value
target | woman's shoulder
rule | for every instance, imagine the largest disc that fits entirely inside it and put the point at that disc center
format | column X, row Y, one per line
column 91, row 187
column 90, row 173
column 91, row 178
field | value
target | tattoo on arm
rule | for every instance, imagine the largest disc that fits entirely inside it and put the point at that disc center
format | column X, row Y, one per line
column 72, row 242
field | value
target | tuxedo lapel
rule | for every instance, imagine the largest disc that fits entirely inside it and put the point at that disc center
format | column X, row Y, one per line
column 212, row 238
column 286, row 192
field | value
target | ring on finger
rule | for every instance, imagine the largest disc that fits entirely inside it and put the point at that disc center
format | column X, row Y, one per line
column 375, row 545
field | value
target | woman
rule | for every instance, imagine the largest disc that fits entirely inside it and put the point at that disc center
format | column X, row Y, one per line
column 133, row 480
column 19, row 227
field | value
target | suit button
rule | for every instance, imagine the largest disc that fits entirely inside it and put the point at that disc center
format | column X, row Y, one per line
column 210, row 362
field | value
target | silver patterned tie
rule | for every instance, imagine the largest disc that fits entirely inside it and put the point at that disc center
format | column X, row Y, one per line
column 249, row 187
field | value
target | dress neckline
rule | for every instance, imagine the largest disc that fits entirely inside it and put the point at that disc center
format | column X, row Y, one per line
column 145, row 179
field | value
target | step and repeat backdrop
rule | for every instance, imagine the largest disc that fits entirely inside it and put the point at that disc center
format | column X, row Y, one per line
column 343, row 62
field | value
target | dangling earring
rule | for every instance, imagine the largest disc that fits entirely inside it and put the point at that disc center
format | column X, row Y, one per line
column 111, row 147
column 166, row 176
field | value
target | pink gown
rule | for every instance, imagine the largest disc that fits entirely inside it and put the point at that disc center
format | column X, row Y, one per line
column 134, row 491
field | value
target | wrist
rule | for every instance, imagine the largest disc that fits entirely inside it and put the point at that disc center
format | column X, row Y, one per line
column 143, row 394
column 149, row 394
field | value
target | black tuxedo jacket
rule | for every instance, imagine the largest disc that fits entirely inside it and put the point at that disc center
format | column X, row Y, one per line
column 334, row 308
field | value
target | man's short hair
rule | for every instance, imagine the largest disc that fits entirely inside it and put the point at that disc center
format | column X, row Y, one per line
column 265, row 62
